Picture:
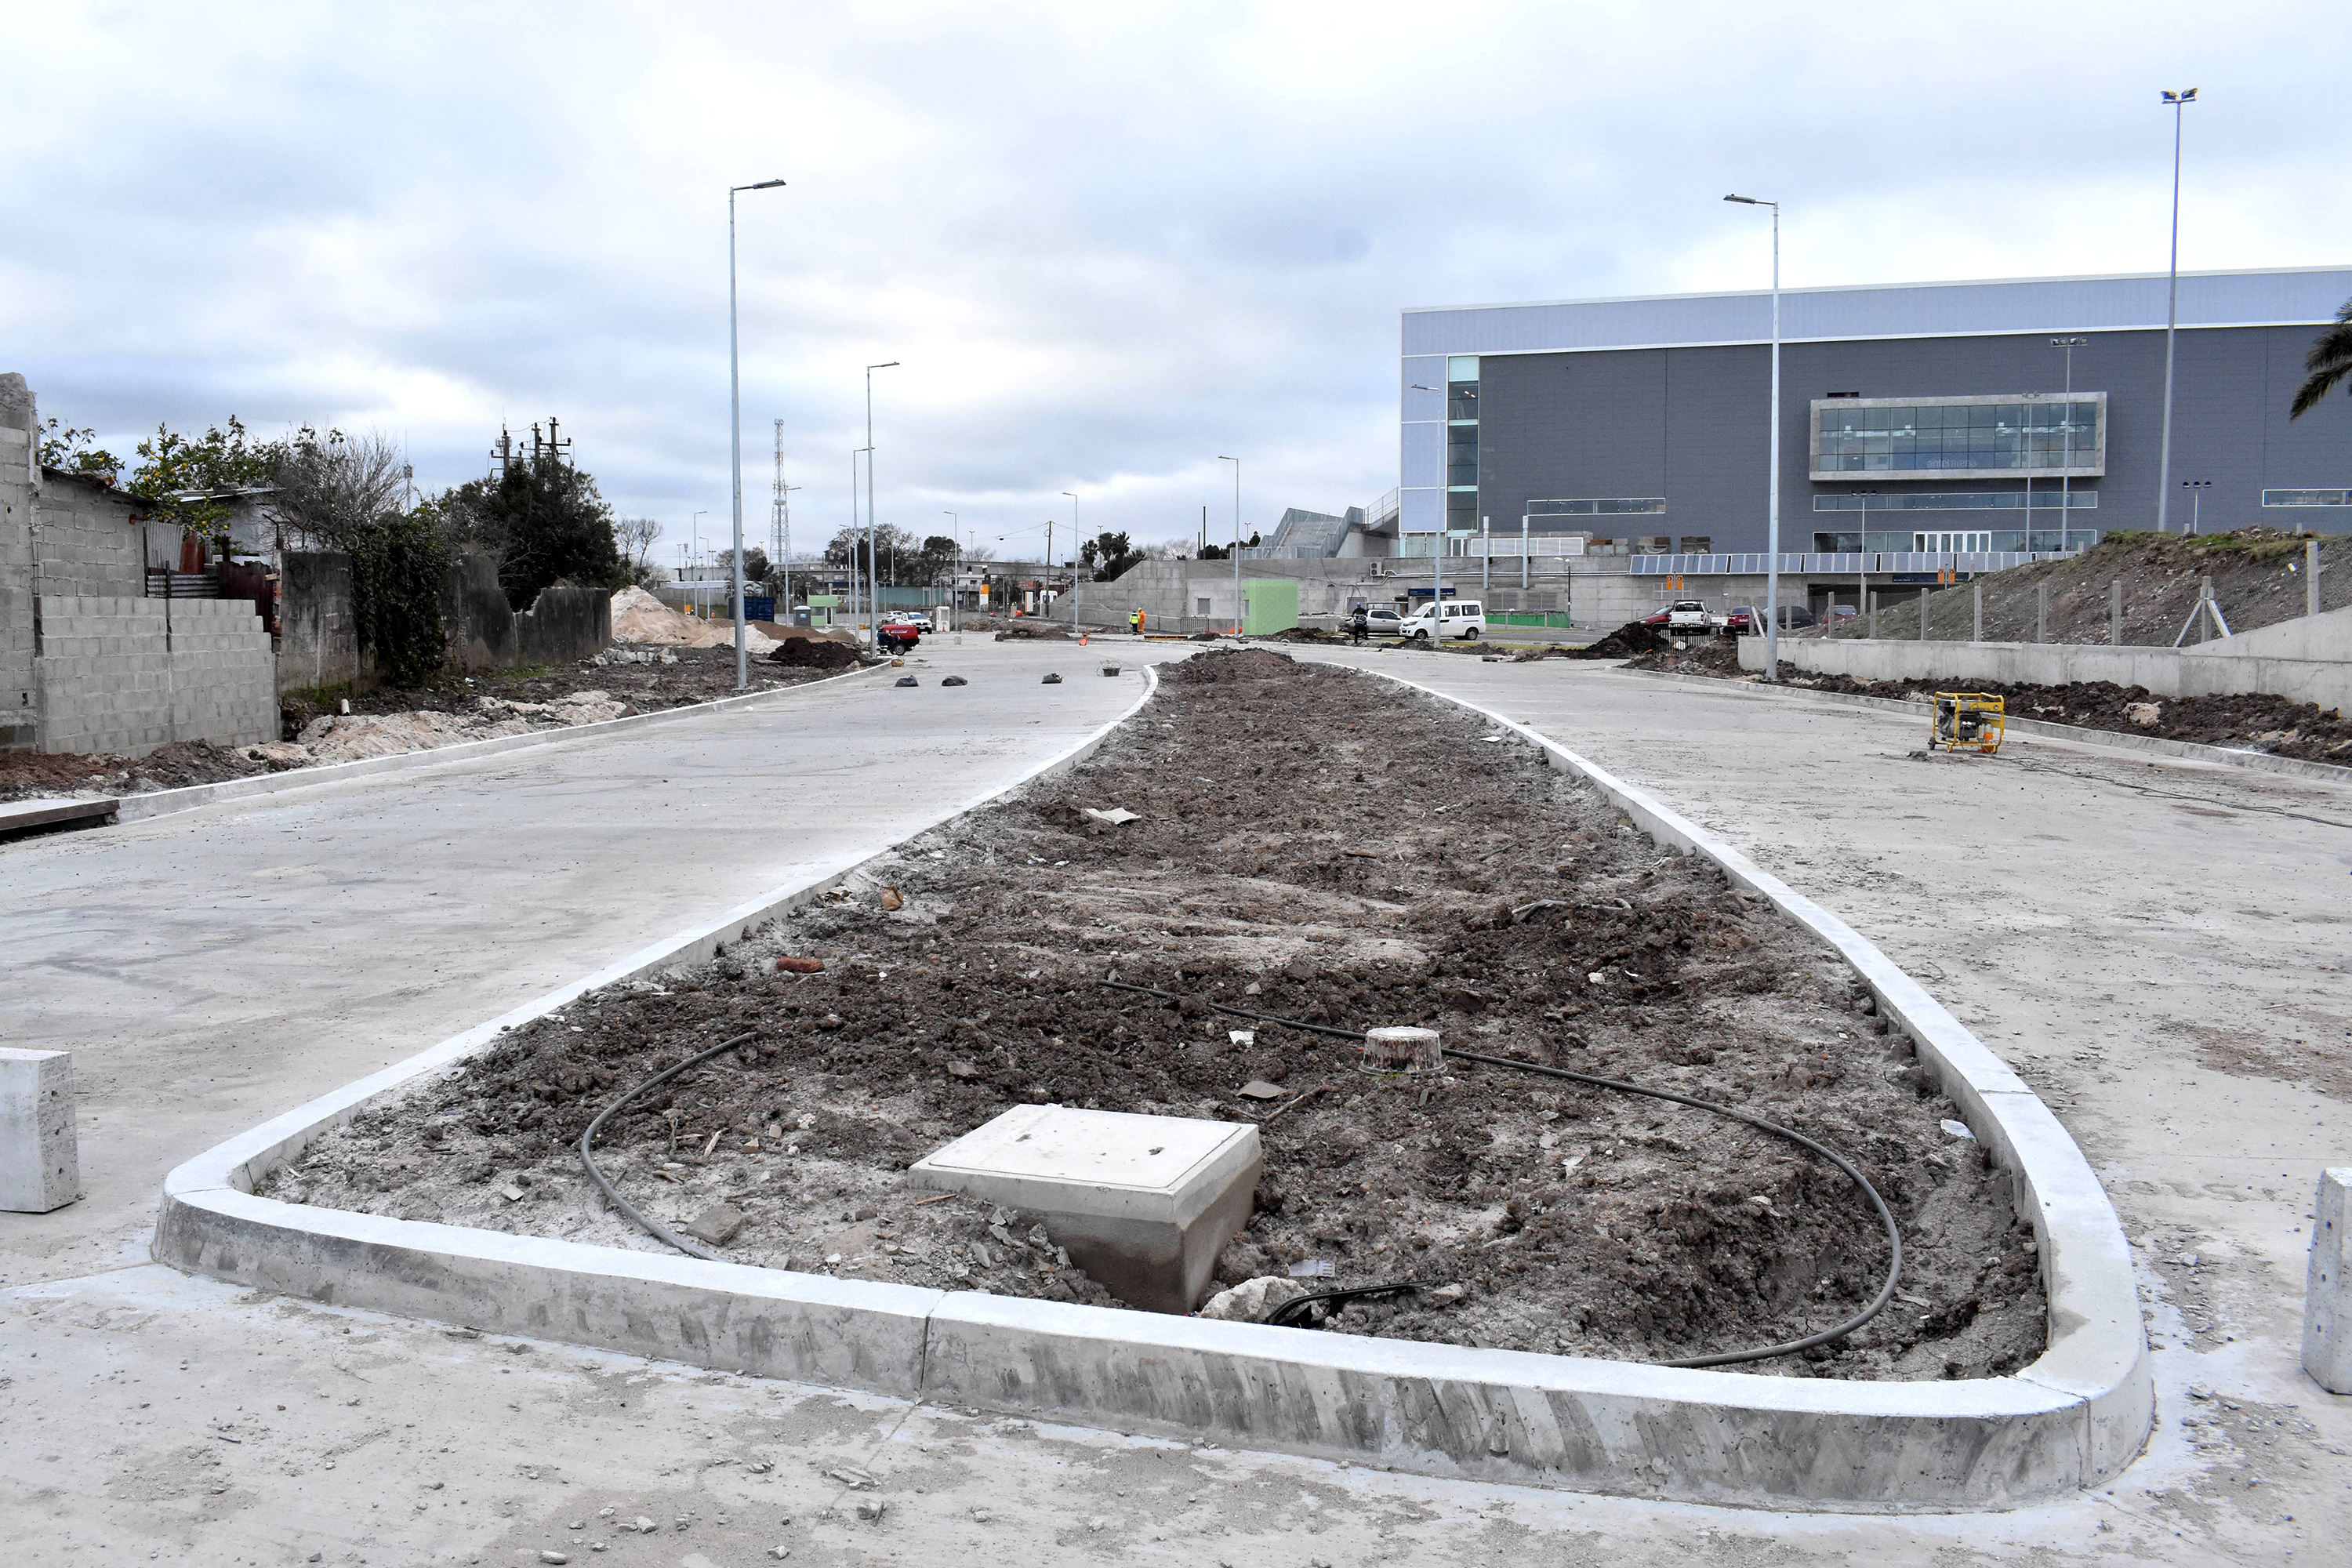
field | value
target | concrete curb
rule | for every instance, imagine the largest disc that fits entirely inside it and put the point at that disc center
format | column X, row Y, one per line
column 2068, row 1423
column 165, row 801
column 2097, row 1352
column 2219, row 756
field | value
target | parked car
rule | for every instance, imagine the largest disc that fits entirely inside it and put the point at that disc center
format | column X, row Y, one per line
column 1745, row 619
column 917, row 619
column 1691, row 618
column 1383, row 622
column 1840, row 613
column 1455, row 618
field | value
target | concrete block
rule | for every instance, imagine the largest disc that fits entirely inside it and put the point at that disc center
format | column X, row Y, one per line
column 40, row 1169
column 1143, row 1204
column 2327, row 1289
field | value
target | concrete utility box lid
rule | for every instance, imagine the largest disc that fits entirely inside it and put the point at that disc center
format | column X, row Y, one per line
column 1108, row 1164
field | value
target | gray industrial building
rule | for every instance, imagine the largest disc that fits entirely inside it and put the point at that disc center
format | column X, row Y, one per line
column 1916, row 419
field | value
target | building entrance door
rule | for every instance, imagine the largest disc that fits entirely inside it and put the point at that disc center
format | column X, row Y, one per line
column 1945, row 544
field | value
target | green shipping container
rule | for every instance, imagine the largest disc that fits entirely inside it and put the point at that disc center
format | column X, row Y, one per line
column 1273, row 605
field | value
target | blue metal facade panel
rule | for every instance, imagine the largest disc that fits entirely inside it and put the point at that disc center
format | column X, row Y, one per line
column 1424, row 455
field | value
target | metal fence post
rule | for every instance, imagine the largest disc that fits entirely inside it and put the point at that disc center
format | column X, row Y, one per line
column 2311, row 576
column 1874, row 614
column 2116, row 613
column 1976, row 621
column 2041, row 612
column 1923, row 614
column 2204, row 608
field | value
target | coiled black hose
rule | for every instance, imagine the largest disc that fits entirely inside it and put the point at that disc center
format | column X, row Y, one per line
column 1886, row 1216
column 587, row 1159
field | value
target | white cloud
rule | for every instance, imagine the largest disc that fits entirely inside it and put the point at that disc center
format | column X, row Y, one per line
column 1109, row 243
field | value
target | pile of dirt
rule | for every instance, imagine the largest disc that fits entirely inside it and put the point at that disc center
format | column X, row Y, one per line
column 1632, row 638
column 640, row 619
column 817, row 653
column 26, row 774
column 1022, row 631
column 2258, row 580
column 1717, row 655
column 2253, row 721
column 1490, row 897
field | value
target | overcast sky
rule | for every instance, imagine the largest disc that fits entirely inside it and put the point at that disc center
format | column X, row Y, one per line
column 1109, row 242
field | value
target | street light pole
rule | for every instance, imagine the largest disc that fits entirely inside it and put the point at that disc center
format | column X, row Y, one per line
column 1240, row 618
column 2179, row 102
column 735, row 429
column 955, row 582
column 872, row 567
column 1772, row 505
column 2066, row 437
column 1438, row 559
column 1073, row 546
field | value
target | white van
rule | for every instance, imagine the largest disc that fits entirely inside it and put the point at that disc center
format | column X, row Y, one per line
column 1461, row 618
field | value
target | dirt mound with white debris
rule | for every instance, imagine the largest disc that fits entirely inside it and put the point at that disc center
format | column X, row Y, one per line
column 638, row 617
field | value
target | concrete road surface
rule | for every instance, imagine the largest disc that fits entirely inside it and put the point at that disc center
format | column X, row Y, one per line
column 211, row 969
column 2157, row 947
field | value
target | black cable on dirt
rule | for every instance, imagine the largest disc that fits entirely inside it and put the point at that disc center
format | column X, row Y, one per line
column 645, row 1221
column 1617, row 1086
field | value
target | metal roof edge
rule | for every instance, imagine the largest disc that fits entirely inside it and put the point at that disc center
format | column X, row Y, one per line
column 1874, row 288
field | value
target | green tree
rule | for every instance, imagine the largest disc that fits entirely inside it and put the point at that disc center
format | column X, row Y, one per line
column 2329, row 361
column 543, row 520
column 71, row 449
column 1110, row 555
column 184, row 479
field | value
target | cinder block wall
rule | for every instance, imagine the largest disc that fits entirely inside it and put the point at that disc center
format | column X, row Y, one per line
column 128, row 675
column 85, row 542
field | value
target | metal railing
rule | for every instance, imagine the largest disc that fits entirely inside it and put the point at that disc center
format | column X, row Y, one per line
column 1846, row 564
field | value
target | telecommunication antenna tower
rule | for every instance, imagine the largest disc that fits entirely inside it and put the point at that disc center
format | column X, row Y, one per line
column 782, row 550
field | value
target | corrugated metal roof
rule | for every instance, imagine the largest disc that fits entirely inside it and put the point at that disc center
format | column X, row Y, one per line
column 2295, row 295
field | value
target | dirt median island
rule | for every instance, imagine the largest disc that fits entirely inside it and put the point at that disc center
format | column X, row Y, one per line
column 1313, row 844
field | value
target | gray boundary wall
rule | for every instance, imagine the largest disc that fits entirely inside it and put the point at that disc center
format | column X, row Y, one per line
column 2208, row 671
column 2071, row 1421
column 128, row 675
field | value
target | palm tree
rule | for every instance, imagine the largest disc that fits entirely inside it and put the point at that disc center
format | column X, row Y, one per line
column 2329, row 361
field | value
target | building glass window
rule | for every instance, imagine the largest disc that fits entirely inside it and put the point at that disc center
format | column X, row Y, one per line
column 1963, row 434
column 1597, row 506
column 1462, row 454
column 1977, row 501
column 2307, row 498
column 1462, row 443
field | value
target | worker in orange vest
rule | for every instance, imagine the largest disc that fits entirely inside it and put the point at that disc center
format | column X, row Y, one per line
column 1135, row 623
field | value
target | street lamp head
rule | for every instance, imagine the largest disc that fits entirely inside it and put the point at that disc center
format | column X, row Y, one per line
column 2190, row 96
column 2068, row 343
column 1754, row 202
column 763, row 185
column 885, row 366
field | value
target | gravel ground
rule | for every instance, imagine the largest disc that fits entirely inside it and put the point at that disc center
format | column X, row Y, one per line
column 1313, row 844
